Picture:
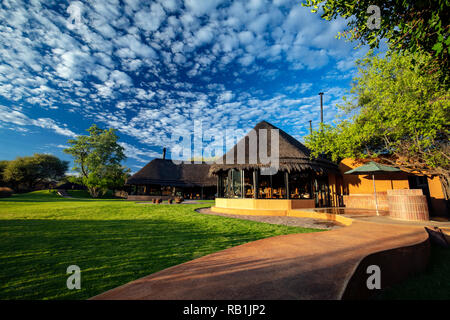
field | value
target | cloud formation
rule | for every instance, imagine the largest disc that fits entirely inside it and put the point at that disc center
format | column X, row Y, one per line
column 150, row 68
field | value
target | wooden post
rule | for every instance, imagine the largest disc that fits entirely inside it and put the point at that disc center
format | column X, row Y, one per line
column 242, row 184
column 255, row 184
column 218, row 186
column 286, row 181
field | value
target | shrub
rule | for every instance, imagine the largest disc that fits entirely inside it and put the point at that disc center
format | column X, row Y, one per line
column 5, row 192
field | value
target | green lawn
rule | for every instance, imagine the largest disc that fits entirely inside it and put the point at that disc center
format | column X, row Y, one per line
column 112, row 241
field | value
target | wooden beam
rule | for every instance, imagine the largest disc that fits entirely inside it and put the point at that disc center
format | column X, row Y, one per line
column 286, row 182
column 242, row 184
column 255, row 183
column 218, row 186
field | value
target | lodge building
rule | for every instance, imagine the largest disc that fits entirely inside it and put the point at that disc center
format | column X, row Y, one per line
column 162, row 178
column 240, row 179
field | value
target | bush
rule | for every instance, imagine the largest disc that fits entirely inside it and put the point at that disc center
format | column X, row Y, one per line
column 5, row 192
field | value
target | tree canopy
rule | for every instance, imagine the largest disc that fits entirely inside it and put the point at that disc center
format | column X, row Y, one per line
column 32, row 170
column 97, row 158
column 407, row 25
column 3, row 164
column 397, row 114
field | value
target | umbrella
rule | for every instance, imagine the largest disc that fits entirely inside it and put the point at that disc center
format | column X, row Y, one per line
column 373, row 168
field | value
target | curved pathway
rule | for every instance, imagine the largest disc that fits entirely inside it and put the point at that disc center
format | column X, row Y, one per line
column 319, row 265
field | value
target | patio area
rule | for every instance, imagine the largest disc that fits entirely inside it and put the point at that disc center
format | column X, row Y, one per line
column 319, row 265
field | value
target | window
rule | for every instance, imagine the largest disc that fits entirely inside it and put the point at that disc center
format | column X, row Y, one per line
column 235, row 187
column 322, row 192
column 272, row 186
column 248, row 183
column 300, row 185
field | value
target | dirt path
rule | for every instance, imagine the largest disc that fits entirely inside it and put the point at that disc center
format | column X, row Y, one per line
column 287, row 221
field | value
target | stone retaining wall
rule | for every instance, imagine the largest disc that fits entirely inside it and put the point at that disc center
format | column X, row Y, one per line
column 366, row 201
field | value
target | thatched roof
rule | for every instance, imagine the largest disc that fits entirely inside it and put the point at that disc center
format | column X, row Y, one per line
column 293, row 155
column 166, row 173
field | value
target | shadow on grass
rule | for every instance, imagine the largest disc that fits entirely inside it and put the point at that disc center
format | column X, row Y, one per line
column 50, row 197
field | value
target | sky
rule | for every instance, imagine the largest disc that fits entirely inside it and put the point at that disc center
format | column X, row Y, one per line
column 151, row 68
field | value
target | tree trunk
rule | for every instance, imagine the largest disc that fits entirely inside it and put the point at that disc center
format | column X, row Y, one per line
column 93, row 192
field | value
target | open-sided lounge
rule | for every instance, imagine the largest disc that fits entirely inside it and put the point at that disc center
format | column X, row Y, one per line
column 246, row 180
column 162, row 178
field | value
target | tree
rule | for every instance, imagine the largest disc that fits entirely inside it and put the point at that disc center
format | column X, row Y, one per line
column 97, row 159
column 399, row 115
column 3, row 164
column 32, row 170
column 407, row 25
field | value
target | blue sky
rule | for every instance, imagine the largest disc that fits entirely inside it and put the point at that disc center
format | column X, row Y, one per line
column 150, row 68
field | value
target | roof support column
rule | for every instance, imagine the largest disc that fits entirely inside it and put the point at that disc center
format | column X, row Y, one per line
column 286, row 182
column 255, row 184
column 242, row 184
column 218, row 186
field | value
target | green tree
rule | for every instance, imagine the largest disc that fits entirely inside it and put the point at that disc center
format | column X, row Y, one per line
column 97, row 158
column 32, row 170
column 398, row 115
column 3, row 164
column 407, row 25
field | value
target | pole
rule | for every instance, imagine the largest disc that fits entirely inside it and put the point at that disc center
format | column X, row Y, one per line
column 321, row 106
column 286, row 182
column 255, row 184
column 375, row 193
column 218, row 186
column 310, row 126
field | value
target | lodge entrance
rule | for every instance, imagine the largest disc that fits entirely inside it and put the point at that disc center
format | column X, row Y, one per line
column 250, row 183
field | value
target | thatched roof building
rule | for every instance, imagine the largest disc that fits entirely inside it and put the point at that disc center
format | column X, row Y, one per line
column 164, row 172
column 293, row 155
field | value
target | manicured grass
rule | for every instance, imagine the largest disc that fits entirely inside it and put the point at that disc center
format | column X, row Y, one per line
column 112, row 241
column 434, row 283
column 85, row 194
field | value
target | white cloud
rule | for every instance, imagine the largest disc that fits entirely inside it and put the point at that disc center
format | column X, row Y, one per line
column 16, row 117
column 149, row 68
column 201, row 7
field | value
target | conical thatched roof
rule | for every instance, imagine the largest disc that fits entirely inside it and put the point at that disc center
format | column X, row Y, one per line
column 293, row 155
column 166, row 173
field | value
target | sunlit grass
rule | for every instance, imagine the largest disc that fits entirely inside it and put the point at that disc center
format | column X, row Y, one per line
column 112, row 241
